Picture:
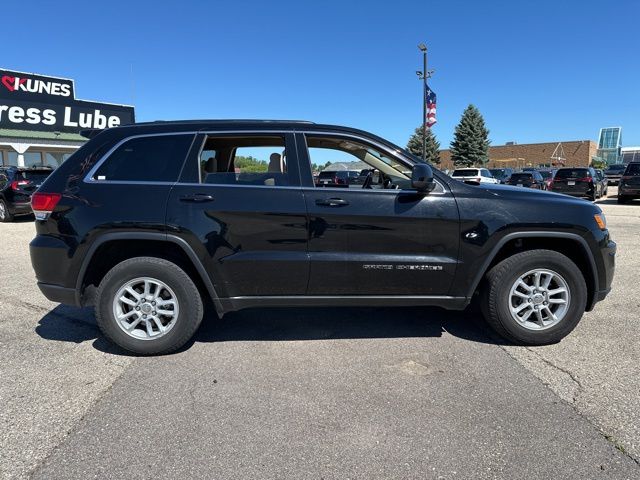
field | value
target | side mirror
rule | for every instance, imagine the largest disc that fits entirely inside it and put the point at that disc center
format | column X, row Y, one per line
column 422, row 178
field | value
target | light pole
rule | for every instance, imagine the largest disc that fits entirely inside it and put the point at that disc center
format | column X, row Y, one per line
column 423, row 49
column 423, row 75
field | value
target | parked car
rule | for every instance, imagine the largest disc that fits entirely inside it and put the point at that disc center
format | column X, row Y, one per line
column 501, row 174
column 629, row 186
column 577, row 182
column 603, row 185
column 547, row 175
column 16, row 187
column 136, row 224
column 473, row 175
column 614, row 173
column 528, row 179
column 339, row 178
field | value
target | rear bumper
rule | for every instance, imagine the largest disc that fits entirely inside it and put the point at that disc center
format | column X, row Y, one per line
column 20, row 208
column 59, row 294
column 630, row 191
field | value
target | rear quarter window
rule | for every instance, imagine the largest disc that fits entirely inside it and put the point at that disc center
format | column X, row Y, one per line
column 156, row 158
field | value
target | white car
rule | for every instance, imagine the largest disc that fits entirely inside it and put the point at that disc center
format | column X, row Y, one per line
column 479, row 175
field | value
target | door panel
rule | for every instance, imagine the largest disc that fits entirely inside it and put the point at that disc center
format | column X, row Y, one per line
column 252, row 241
column 381, row 242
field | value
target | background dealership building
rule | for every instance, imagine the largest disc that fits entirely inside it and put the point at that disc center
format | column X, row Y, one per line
column 573, row 153
column 41, row 120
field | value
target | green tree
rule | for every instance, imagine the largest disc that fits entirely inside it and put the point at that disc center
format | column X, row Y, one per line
column 414, row 145
column 470, row 145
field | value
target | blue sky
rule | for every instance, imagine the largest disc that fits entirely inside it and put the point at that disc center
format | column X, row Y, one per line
column 538, row 71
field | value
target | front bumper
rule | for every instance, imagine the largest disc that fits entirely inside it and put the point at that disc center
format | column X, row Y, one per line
column 607, row 263
column 59, row 294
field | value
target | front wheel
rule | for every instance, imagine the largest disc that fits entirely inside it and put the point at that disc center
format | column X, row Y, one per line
column 148, row 306
column 535, row 297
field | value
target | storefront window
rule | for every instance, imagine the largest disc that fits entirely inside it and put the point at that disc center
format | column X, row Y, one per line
column 11, row 159
column 54, row 159
column 32, row 159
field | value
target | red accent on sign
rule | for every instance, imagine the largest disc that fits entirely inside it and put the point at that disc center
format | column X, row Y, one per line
column 10, row 82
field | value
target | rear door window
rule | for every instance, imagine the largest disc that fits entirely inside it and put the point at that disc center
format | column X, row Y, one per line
column 156, row 158
column 247, row 160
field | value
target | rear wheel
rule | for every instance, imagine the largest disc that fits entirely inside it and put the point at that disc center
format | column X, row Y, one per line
column 535, row 297
column 5, row 216
column 148, row 305
column 622, row 199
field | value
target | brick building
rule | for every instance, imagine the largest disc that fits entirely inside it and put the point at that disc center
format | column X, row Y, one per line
column 571, row 154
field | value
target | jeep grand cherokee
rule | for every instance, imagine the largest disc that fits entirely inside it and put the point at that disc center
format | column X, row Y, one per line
column 148, row 221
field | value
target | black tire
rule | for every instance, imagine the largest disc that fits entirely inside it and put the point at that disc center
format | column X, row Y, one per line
column 187, row 294
column 496, row 295
column 5, row 215
column 622, row 199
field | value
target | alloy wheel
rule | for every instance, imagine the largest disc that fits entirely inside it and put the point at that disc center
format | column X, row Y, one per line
column 539, row 299
column 145, row 308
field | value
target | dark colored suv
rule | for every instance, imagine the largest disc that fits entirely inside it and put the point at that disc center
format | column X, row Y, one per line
column 528, row 180
column 16, row 187
column 149, row 222
column 577, row 182
column 629, row 186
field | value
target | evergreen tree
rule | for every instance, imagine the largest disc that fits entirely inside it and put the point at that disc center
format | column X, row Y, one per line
column 414, row 145
column 470, row 145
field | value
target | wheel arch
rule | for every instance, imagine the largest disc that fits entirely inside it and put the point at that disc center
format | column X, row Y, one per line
column 123, row 245
column 562, row 242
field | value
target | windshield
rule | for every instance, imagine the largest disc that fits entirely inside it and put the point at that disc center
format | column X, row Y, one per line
column 498, row 172
column 546, row 175
column 466, row 172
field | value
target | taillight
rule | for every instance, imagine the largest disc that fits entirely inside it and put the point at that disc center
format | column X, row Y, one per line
column 585, row 179
column 43, row 204
column 16, row 184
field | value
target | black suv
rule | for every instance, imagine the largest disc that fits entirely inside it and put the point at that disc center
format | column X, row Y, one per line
column 147, row 222
column 531, row 179
column 16, row 187
column 629, row 186
column 578, row 182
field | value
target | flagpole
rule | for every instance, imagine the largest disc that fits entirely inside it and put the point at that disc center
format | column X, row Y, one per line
column 423, row 48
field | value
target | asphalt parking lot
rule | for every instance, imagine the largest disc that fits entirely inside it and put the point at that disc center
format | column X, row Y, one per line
column 322, row 393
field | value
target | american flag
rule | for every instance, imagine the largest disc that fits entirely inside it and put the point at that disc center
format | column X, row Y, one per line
column 431, row 107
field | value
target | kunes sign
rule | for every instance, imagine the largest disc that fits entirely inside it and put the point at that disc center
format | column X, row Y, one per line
column 35, row 102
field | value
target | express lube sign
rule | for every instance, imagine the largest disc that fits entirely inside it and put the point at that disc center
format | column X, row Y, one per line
column 35, row 102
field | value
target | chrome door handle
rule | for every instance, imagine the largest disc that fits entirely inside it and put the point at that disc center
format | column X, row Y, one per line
column 197, row 197
column 331, row 202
